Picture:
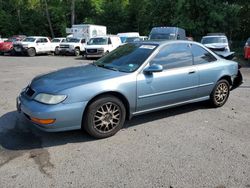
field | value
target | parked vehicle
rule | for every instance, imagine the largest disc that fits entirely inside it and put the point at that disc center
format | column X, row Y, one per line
column 33, row 45
column 86, row 31
column 101, row 45
column 124, row 36
column 73, row 46
column 247, row 49
column 7, row 46
column 55, row 43
column 216, row 41
column 167, row 33
column 134, row 79
column 135, row 39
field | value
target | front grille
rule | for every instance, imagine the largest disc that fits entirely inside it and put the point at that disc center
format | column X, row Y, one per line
column 29, row 92
column 64, row 46
column 91, row 51
column 17, row 45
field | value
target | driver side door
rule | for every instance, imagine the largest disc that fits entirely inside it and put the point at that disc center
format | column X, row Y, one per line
column 176, row 84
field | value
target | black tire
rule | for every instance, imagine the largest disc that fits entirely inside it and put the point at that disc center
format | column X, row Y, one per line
column 57, row 52
column 12, row 52
column 104, row 117
column 31, row 52
column 220, row 93
column 77, row 52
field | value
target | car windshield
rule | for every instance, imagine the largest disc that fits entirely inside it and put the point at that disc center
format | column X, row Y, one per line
column 162, row 36
column 74, row 40
column 29, row 39
column 209, row 40
column 98, row 41
column 127, row 58
column 132, row 39
column 55, row 40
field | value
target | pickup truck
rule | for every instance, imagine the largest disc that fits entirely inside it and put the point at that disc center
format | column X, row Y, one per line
column 33, row 45
column 55, row 43
column 72, row 46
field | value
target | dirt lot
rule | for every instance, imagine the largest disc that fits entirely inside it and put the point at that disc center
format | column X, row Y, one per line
column 190, row 146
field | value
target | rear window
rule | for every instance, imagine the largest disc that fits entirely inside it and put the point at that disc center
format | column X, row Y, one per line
column 29, row 39
column 210, row 40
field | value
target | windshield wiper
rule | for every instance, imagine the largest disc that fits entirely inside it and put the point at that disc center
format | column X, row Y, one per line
column 107, row 67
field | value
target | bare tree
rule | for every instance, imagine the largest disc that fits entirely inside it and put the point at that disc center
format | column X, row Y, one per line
column 48, row 18
column 73, row 12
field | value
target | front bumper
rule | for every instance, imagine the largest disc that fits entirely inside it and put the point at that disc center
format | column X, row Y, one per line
column 67, row 116
column 66, row 50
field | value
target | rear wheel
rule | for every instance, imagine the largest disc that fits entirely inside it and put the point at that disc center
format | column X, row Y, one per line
column 104, row 117
column 31, row 52
column 220, row 93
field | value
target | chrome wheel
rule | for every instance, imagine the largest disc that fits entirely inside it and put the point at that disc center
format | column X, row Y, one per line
column 221, row 93
column 107, row 117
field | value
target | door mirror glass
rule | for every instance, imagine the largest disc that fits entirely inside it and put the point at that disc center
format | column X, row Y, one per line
column 153, row 68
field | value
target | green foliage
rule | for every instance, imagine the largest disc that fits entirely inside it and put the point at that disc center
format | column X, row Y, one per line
column 197, row 17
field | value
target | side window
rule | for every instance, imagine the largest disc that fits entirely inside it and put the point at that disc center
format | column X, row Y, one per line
column 44, row 40
column 83, row 41
column 174, row 56
column 201, row 56
column 38, row 40
column 63, row 40
column 109, row 41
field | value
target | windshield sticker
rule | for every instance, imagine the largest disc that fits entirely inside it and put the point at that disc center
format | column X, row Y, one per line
column 151, row 47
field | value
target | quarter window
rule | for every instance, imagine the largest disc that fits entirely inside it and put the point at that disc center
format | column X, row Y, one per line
column 201, row 56
column 174, row 56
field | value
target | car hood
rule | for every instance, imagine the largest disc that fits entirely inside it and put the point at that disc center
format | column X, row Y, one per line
column 26, row 43
column 71, row 77
column 5, row 45
column 94, row 46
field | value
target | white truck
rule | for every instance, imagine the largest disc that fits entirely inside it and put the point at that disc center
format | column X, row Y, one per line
column 33, row 45
column 101, row 45
column 55, row 43
column 80, row 36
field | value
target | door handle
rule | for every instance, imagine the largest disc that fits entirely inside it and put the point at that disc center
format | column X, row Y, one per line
column 191, row 71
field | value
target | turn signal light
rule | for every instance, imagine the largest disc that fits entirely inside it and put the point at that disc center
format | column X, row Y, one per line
column 43, row 121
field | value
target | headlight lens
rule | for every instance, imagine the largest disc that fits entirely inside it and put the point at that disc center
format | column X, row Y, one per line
column 50, row 99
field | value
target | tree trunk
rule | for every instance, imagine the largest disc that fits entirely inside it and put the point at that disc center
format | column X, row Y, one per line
column 48, row 18
column 72, row 12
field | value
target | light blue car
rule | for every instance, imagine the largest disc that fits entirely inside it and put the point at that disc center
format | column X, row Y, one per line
column 134, row 79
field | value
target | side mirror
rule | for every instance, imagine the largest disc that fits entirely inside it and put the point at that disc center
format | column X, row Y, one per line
column 153, row 68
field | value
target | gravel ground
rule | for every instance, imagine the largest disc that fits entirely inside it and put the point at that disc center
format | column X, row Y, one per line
column 189, row 146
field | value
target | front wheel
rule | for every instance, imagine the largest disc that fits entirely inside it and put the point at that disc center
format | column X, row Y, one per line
column 104, row 117
column 31, row 52
column 220, row 93
column 57, row 52
column 77, row 52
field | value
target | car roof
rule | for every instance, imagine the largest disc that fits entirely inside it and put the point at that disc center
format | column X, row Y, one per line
column 212, row 36
column 36, row 37
column 163, row 42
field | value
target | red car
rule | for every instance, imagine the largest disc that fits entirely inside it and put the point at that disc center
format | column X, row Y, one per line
column 7, row 46
column 247, row 49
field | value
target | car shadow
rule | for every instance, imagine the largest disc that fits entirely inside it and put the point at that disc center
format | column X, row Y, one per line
column 16, row 133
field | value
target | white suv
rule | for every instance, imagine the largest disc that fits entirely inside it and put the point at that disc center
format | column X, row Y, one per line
column 33, row 45
column 73, row 46
column 101, row 45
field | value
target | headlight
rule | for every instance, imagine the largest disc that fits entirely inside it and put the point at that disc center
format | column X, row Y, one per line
column 50, row 99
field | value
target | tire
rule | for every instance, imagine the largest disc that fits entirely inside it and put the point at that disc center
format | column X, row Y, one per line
column 77, row 52
column 220, row 93
column 31, row 52
column 98, row 120
column 57, row 52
